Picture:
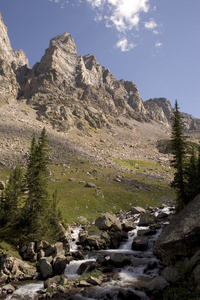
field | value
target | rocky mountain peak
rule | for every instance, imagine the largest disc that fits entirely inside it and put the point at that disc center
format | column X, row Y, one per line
column 5, row 47
column 13, row 67
column 64, row 42
column 68, row 90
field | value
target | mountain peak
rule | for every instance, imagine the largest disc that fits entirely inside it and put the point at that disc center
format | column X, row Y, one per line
column 64, row 42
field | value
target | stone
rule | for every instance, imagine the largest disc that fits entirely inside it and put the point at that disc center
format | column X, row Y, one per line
column 9, row 288
column 3, row 277
column 157, row 284
column 17, row 269
column 90, row 185
column 108, row 221
column 50, row 281
column 128, row 225
column 171, row 274
column 59, row 265
column 181, row 238
column 83, row 283
column 71, row 179
column 137, row 210
column 94, row 281
column 140, row 243
column 146, row 219
column 119, row 260
column 45, row 267
column 146, row 232
column 29, row 253
column 59, row 249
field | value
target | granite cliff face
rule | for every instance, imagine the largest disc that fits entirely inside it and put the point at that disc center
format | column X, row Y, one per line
column 68, row 90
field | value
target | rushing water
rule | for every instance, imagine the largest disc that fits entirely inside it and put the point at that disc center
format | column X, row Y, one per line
column 129, row 276
column 26, row 291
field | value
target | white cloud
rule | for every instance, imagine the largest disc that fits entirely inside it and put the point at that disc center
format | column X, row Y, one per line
column 158, row 44
column 121, row 14
column 155, row 32
column 96, row 3
column 124, row 45
column 151, row 24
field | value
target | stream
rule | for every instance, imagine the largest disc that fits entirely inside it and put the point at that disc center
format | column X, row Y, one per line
column 129, row 278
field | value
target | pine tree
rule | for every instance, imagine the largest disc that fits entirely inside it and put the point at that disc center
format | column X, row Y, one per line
column 192, row 178
column 178, row 147
column 37, row 178
column 11, row 197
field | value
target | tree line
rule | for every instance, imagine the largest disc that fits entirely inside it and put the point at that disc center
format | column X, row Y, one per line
column 186, row 163
column 26, row 207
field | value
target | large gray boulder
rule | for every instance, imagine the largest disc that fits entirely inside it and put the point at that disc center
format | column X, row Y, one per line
column 108, row 221
column 16, row 269
column 181, row 237
column 45, row 267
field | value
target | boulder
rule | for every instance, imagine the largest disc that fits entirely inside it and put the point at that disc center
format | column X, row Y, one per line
column 3, row 277
column 171, row 274
column 137, row 210
column 83, row 283
column 140, row 243
column 119, row 260
column 108, row 221
column 16, row 269
column 146, row 220
column 52, row 281
column 45, row 267
column 146, row 232
column 59, row 265
column 94, row 281
column 181, row 237
column 28, row 252
column 157, row 284
column 128, row 225
column 8, row 288
column 90, row 185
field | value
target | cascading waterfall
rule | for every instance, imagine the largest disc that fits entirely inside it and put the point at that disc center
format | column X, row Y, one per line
column 129, row 276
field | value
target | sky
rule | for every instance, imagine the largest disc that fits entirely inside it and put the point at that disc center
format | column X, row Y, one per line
column 153, row 43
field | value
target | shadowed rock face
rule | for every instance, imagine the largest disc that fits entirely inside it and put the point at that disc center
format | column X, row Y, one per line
column 181, row 237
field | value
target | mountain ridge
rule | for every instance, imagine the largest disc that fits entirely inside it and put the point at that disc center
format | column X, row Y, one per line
column 78, row 100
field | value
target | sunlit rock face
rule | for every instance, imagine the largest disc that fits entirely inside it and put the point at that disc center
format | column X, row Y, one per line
column 72, row 90
column 68, row 90
column 13, row 67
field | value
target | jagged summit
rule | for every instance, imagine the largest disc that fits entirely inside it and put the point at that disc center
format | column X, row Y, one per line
column 13, row 67
column 69, row 91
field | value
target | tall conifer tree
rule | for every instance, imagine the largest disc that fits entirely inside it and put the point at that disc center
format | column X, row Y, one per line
column 37, row 179
column 11, row 197
column 178, row 147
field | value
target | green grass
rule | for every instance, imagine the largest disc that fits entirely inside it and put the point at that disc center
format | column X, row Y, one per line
column 140, row 165
column 109, row 196
column 7, row 248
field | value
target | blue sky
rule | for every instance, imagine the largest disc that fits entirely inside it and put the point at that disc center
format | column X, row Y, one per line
column 154, row 43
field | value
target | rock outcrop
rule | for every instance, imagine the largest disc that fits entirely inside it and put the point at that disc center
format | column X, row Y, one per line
column 13, row 268
column 68, row 90
column 13, row 67
column 181, row 238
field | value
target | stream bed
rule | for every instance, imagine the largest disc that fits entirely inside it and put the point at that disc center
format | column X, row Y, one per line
column 129, row 280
